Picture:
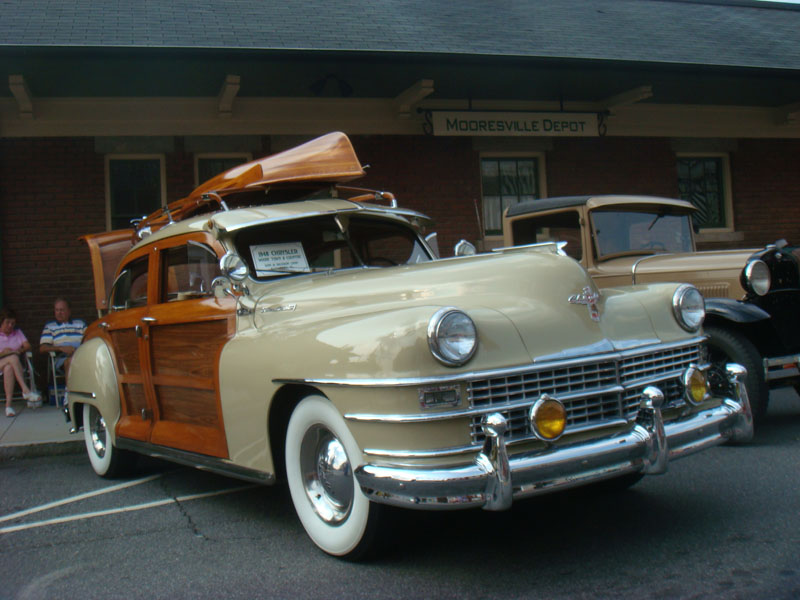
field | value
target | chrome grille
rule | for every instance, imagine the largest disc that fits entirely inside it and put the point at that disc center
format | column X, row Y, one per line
column 593, row 392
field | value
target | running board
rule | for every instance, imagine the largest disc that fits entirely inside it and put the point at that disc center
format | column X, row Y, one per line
column 198, row 461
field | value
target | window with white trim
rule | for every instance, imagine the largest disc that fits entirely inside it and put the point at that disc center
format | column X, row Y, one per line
column 507, row 180
column 135, row 187
column 704, row 180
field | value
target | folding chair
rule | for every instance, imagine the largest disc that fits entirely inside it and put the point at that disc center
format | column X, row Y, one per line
column 57, row 379
column 28, row 373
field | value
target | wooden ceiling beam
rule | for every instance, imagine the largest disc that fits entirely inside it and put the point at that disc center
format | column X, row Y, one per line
column 22, row 94
column 404, row 102
column 788, row 114
column 227, row 94
column 628, row 97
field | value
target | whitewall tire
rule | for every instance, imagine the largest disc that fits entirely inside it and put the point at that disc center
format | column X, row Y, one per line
column 321, row 455
column 107, row 461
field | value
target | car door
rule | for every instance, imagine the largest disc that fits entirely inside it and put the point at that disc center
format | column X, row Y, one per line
column 123, row 331
column 184, row 331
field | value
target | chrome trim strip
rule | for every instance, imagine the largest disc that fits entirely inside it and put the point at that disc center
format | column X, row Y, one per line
column 479, row 410
column 454, row 451
column 490, row 374
column 198, row 461
column 91, row 395
column 458, row 450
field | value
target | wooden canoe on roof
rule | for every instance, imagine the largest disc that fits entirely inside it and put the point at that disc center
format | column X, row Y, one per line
column 326, row 160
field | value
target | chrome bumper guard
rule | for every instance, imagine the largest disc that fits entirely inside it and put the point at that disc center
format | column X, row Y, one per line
column 494, row 479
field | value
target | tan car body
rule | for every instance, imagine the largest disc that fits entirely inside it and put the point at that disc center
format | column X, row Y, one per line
column 714, row 273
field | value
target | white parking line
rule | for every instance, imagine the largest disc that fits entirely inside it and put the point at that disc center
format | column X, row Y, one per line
column 111, row 511
column 106, row 490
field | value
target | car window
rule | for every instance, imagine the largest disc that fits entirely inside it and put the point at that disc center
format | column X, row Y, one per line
column 559, row 227
column 626, row 232
column 188, row 271
column 130, row 287
column 324, row 243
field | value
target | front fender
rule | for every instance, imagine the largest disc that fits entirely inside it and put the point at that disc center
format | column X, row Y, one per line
column 735, row 310
column 92, row 380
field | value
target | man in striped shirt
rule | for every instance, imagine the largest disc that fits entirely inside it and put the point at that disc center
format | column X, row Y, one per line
column 63, row 335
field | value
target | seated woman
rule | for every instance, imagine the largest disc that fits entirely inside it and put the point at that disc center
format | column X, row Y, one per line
column 13, row 343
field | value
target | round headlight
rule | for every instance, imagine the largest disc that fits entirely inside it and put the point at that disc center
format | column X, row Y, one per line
column 689, row 307
column 756, row 277
column 452, row 337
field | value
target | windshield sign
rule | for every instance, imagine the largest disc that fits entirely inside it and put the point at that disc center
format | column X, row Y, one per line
column 324, row 243
column 620, row 233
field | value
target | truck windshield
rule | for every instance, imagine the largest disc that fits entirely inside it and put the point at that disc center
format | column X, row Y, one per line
column 621, row 232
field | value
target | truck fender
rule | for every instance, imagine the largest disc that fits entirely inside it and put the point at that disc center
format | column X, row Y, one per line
column 735, row 310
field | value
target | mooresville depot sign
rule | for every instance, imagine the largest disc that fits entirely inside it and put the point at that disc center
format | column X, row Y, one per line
column 549, row 124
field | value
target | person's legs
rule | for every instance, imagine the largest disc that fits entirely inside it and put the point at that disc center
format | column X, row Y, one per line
column 16, row 365
column 8, row 380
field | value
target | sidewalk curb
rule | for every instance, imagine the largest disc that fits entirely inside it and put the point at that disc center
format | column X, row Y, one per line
column 15, row 451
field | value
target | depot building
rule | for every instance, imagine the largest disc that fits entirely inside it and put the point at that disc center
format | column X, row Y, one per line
column 460, row 110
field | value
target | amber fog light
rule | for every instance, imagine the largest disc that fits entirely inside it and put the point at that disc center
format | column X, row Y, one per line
column 548, row 418
column 695, row 385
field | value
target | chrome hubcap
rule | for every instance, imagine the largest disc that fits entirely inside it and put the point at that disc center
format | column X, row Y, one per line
column 327, row 475
column 97, row 431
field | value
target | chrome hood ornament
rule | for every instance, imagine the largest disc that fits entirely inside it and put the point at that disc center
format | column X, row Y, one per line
column 589, row 298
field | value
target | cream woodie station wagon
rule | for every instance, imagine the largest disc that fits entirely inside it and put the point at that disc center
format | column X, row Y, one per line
column 277, row 325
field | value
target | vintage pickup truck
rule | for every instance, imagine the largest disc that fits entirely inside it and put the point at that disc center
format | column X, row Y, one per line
column 277, row 325
column 752, row 296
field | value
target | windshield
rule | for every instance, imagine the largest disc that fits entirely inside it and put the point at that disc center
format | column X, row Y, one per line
column 618, row 232
column 328, row 243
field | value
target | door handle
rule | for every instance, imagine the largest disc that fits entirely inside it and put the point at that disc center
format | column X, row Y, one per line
column 138, row 330
column 149, row 319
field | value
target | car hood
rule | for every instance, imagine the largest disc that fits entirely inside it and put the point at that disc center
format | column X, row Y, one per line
column 715, row 273
column 520, row 302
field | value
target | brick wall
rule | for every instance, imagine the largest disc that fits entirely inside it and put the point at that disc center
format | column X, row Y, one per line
column 766, row 190
column 578, row 166
column 435, row 175
column 52, row 191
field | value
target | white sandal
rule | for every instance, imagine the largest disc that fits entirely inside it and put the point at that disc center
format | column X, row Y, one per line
column 10, row 412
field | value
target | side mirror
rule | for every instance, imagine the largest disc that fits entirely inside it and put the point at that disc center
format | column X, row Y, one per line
column 464, row 248
column 432, row 239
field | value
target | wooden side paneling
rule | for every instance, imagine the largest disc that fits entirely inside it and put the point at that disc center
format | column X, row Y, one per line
column 187, row 349
column 127, row 348
column 186, row 405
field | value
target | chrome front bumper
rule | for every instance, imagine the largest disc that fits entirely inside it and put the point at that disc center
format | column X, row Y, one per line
column 494, row 479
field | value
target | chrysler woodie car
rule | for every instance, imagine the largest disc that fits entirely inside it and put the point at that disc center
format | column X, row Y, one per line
column 752, row 295
column 278, row 325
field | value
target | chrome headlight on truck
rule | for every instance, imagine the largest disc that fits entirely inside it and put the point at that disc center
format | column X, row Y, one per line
column 757, row 278
column 452, row 337
column 689, row 307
